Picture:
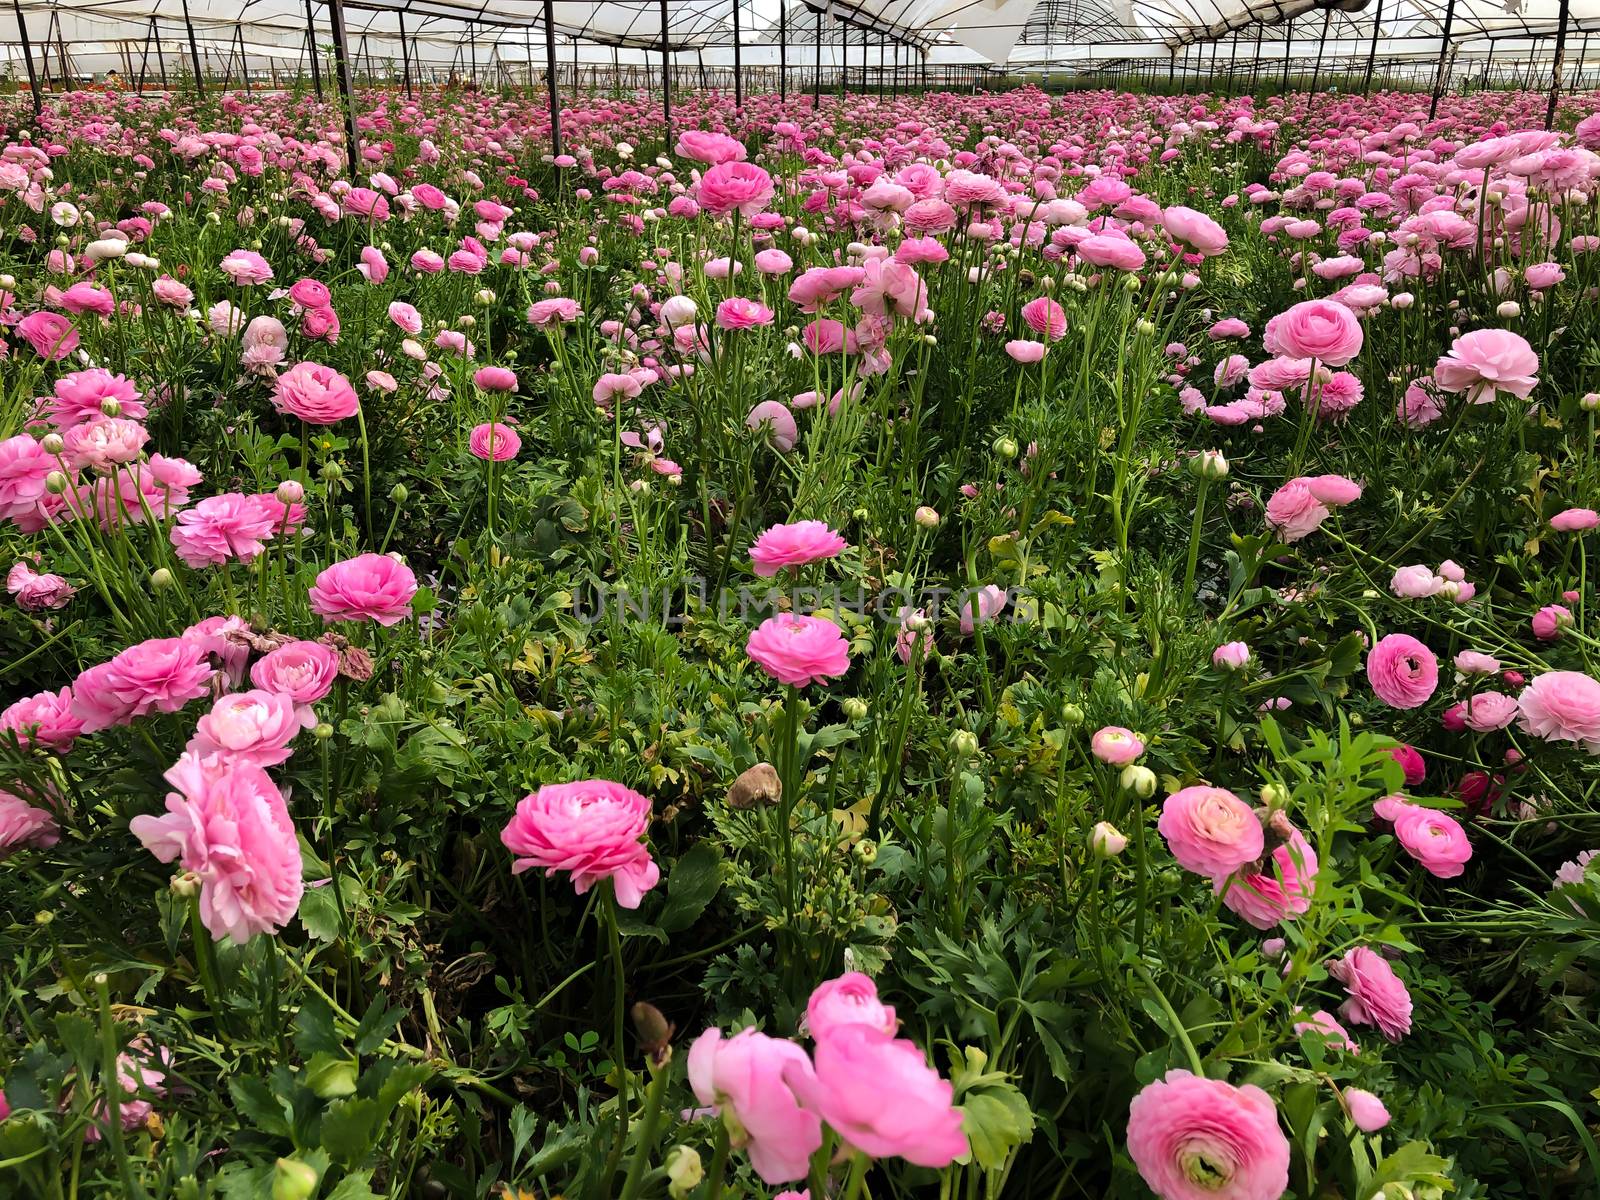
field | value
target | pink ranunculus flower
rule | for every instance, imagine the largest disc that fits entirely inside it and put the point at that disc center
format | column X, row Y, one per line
column 1326, row 1024
column 254, row 726
column 1411, row 763
column 495, row 379
column 494, row 441
column 1201, row 1139
column 246, row 267
column 1195, row 229
column 980, row 607
column 773, row 418
column 406, row 317
column 1366, row 1110
column 1489, row 711
column 851, row 999
column 368, row 587
column 710, row 148
column 316, row 394
column 25, row 824
column 1279, row 892
column 222, row 528
column 37, row 591
column 738, row 312
column 51, row 335
column 1294, row 512
column 1402, row 671
column 734, row 185
column 1434, row 839
column 879, row 1095
column 1210, row 831
column 794, row 545
column 303, row 671
column 1562, row 706
column 1231, row 656
column 45, row 719
column 799, row 650
column 141, row 1072
column 158, row 675
column 1315, row 329
column 1116, row 746
column 82, row 396
column 753, row 1078
column 103, row 445
column 1575, row 520
column 1551, row 622
column 1045, row 317
column 1485, row 362
column 1376, row 995
column 227, row 822
column 592, row 829
column 1025, row 352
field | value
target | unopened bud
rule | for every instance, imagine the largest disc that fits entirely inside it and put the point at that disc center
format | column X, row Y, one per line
column 1274, row 795
column 1005, row 447
column 1141, row 781
column 293, row 1180
column 331, row 472
column 111, row 407
column 322, row 732
column 56, row 482
column 398, row 494
column 290, row 491
column 684, row 1171
column 854, row 707
column 1071, row 715
column 927, row 517
column 160, row 579
column 963, row 743
column 1107, row 840
column 52, row 444
column 1211, row 465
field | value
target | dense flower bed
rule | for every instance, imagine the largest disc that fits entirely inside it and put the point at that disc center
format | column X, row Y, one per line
column 1032, row 646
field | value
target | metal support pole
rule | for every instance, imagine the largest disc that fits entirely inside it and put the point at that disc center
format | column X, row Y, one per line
column 666, row 74
column 1288, row 50
column 194, row 52
column 550, row 77
column 311, row 47
column 1444, row 51
column 1233, row 62
column 844, row 55
column 1556, row 66
column 738, row 64
column 472, row 49
column 816, row 75
column 341, row 66
column 1316, row 76
column 1372, row 50
column 405, row 54
column 27, row 57
column 144, row 56
column 783, row 49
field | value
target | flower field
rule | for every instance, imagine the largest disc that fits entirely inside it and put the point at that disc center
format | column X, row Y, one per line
column 976, row 646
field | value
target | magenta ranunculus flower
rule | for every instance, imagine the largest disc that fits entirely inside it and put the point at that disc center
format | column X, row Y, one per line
column 494, row 441
column 1201, row 1139
column 495, row 379
column 369, row 587
column 750, row 1076
column 1402, row 671
column 794, row 545
column 1485, row 362
column 1315, row 329
column 851, row 999
column 1562, row 706
column 878, row 1093
column 222, row 528
column 1210, row 831
column 254, row 726
column 1280, row 892
column 227, row 822
column 735, row 185
column 316, row 394
column 592, row 829
column 799, row 650
column 51, row 335
column 1434, row 839
column 1376, row 995
column 1116, row 745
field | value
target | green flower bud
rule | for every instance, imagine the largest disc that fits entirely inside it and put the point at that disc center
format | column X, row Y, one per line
column 294, row 1180
column 1141, row 781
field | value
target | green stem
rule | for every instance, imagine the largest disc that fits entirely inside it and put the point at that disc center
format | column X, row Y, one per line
column 649, row 1128
column 113, row 1086
column 1178, row 1030
column 719, row 1164
column 618, row 1056
column 1194, row 541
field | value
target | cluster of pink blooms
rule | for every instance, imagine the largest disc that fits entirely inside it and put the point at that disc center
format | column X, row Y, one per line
column 876, row 1091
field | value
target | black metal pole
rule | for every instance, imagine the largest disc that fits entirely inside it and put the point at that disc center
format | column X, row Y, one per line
column 816, row 75
column 194, row 51
column 405, row 54
column 844, row 55
column 341, row 66
column 1556, row 66
column 1372, row 50
column 1444, row 50
column 1233, row 62
column 144, row 56
column 27, row 57
column 1288, row 48
column 783, row 49
column 311, row 44
column 1316, row 75
column 666, row 74
column 550, row 77
column 738, row 63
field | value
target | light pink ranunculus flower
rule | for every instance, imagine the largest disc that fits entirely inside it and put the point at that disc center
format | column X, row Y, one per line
column 406, row 317
column 222, row 528
column 1210, row 831
column 1551, row 622
column 593, row 830
column 1402, row 671
column 158, row 675
column 1201, row 1139
column 878, row 1093
column 1366, row 1110
column 368, row 587
column 1434, row 839
column 754, row 1076
column 494, row 441
column 36, row 591
column 227, row 822
column 738, row 312
column 303, row 671
column 1575, row 520
column 24, row 824
column 1326, row 1024
column 980, row 607
column 316, row 394
column 1195, row 230
column 1562, row 706
column 710, row 148
column 1232, row 656
column 104, row 444
column 774, row 418
column 1024, row 351
column 246, row 267
column 1375, row 994
column 1489, row 711
column 851, row 999
column 794, row 545
column 799, row 650
column 1294, row 512
column 1415, row 582
column 1116, row 746
column 51, row 335
column 254, row 726
column 1316, row 329
column 45, row 719
column 1485, row 362
column 1279, row 892
column 1045, row 317
column 1333, row 490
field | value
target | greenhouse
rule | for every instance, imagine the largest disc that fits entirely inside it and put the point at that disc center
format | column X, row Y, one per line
column 799, row 600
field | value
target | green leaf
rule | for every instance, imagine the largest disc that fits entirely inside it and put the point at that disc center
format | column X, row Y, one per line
column 319, row 913
column 355, row 1186
column 694, row 882
column 314, row 1030
column 349, row 1128
column 376, row 1025
column 254, row 1099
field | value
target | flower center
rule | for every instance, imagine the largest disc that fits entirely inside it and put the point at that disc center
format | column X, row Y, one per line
column 1204, row 1167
